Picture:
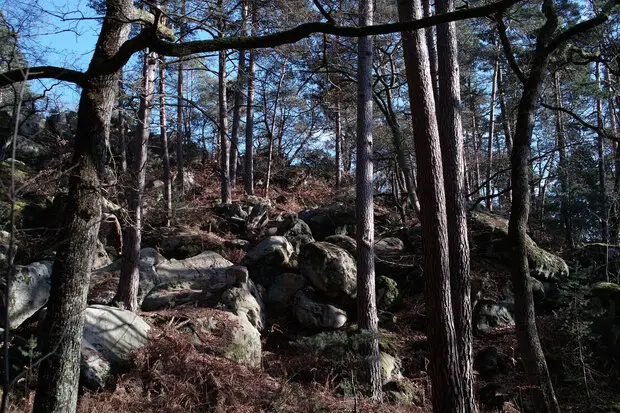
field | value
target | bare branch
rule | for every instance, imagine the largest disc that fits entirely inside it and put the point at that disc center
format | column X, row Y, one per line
column 41, row 72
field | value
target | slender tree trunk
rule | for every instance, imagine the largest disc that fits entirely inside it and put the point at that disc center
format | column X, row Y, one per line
column 474, row 136
column 432, row 48
column 180, row 122
column 164, row 139
column 565, row 217
column 271, row 128
column 615, row 210
column 226, row 192
column 57, row 386
column 504, row 109
column 366, row 299
column 489, row 189
column 122, row 125
column 451, row 136
column 444, row 360
column 249, row 128
column 601, row 161
column 338, row 144
column 130, row 276
column 525, row 318
column 240, row 84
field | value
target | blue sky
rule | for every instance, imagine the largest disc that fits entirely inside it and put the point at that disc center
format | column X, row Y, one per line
column 52, row 32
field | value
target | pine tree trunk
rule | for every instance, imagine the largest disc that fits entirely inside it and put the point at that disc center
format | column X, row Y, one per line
column 180, row 123
column 249, row 128
column 532, row 354
column 164, row 139
column 565, row 217
column 489, row 187
column 451, row 137
column 225, row 192
column 432, row 47
column 444, row 360
column 57, row 386
column 271, row 128
column 366, row 299
column 615, row 210
column 601, row 161
column 130, row 276
column 338, row 144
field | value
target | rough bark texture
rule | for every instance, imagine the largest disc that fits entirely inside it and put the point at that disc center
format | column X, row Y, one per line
column 366, row 299
column 249, row 125
column 444, row 365
column 179, row 135
column 451, row 136
column 57, row 387
column 489, row 187
column 164, row 139
column 130, row 276
column 532, row 354
column 225, row 193
column 338, row 144
column 427, row 11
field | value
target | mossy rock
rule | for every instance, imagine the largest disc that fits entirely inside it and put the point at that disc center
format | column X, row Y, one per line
column 388, row 296
column 403, row 392
column 490, row 235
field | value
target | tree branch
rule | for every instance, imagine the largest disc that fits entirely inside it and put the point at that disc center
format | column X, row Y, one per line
column 307, row 29
column 600, row 131
column 510, row 57
column 582, row 27
column 41, row 72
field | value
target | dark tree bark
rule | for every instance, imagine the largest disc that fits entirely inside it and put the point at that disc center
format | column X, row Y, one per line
column 225, row 193
column 444, row 361
column 489, row 188
column 57, row 386
column 130, row 276
column 249, row 127
column 180, row 123
column 474, row 138
column 451, row 137
column 164, row 139
column 432, row 47
column 122, row 125
column 532, row 354
column 614, row 232
column 366, row 299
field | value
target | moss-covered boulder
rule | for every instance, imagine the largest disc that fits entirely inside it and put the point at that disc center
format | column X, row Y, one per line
column 330, row 269
column 490, row 236
column 388, row 296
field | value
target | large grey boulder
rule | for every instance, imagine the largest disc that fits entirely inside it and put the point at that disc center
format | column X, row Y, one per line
column 345, row 242
column 330, row 269
column 274, row 250
column 195, row 268
column 244, row 299
column 337, row 218
column 281, row 292
column 111, row 337
column 101, row 257
column 230, row 336
column 489, row 314
column 5, row 238
column 30, row 290
column 314, row 314
column 296, row 231
column 268, row 259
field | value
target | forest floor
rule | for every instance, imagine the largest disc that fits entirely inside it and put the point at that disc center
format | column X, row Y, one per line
column 169, row 375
